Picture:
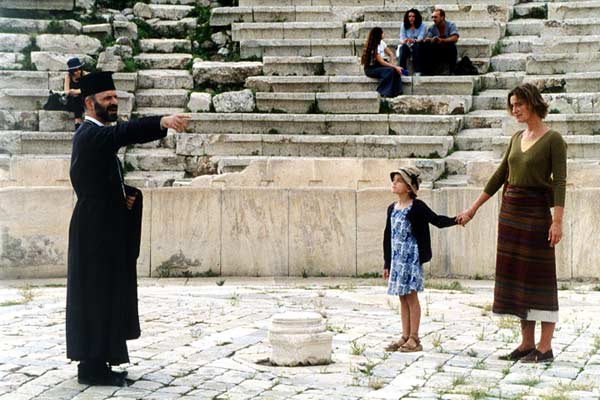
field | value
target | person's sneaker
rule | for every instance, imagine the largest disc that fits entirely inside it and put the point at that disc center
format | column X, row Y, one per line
column 538, row 357
column 516, row 354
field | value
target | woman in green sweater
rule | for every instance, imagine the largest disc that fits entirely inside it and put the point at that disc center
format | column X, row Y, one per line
column 533, row 171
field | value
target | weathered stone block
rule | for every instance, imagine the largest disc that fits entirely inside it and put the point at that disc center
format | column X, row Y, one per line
column 231, row 102
column 199, row 102
column 51, row 61
column 256, row 228
column 33, row 240
column 18, row 120
column 177, row 247
column 14, row 42
column 71, row 44
column 322, row 233
column 207, row 72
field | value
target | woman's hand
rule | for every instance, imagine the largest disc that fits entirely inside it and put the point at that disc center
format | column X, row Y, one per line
column 399, row 69
column 555, row 233
column 466, row 216
column 386, row 274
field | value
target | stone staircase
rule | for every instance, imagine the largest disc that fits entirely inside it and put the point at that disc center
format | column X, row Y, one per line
column 307, row 98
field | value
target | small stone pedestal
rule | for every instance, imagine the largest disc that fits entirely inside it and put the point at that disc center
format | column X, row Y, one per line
column 299, row 338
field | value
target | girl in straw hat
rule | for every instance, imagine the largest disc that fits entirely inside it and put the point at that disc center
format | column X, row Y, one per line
column 406, row 246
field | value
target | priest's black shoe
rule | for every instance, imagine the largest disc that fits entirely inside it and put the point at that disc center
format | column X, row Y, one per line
column 101, row 380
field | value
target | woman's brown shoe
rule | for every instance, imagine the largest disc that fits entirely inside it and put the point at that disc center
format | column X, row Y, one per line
column 538, row 357
column 516, row 354
column 395, row 346
column 409, row 347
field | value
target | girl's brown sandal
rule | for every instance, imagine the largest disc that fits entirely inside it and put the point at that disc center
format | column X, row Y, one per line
column 408, row 348
column 395, row 346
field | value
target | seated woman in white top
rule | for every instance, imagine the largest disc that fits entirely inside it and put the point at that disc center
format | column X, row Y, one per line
column 375, row 66
column 412, row 34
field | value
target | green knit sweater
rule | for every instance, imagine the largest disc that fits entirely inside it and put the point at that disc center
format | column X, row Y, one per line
column 543, row 165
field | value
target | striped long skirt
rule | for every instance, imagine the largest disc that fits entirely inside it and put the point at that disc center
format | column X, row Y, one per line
column 525, row 263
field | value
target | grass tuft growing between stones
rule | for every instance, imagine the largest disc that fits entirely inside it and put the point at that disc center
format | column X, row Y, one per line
column 26, row 294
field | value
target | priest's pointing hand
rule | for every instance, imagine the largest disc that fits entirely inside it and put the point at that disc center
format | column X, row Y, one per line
column 177, row 122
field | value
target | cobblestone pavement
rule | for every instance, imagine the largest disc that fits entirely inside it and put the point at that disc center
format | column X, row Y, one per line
column 202, row 340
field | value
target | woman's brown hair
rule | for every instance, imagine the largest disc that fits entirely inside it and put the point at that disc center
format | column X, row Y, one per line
column 531, row 96
column 371, row 44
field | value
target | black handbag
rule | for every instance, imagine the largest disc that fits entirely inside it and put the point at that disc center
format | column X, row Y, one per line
column 56, row 101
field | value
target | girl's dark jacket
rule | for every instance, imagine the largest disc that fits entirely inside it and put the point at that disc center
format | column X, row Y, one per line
column 419, row 216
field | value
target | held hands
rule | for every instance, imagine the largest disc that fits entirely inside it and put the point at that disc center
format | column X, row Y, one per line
column 465, row 217
column 555, row 233
column 177, row 122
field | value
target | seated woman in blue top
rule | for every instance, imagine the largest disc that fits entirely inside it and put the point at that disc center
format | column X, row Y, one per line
column 375, row 66
column 412, row 34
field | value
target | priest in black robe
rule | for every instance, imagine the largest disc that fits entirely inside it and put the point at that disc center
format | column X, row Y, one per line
column 104, row 234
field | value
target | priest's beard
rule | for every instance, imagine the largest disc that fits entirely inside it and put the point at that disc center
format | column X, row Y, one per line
column 106, row 113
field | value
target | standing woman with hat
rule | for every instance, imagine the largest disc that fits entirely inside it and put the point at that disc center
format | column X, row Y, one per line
column 406, row 247
column 104, row 234
column 72, row 88
column 534, row 174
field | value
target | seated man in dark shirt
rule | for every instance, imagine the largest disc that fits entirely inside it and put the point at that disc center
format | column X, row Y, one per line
column 438, row 50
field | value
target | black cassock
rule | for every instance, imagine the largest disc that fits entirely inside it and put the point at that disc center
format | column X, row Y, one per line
column 104, row 242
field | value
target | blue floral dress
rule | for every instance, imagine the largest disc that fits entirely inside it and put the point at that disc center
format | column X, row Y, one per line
column 406, row 272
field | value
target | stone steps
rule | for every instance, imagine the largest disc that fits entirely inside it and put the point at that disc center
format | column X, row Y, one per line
column 154, row 160
column 46, row 5
column 491, row 30
column 165, row 45
column 11, row 61
column 225, row 16
column 154, row 111
column 510, row 62
column 35, row 170
column 484, row 119
column 569, row 44
column 56, row 61
column 162, row 98
column 163, row 61
column 153, row 179
column 165, row 79
column 578, row 146
column 451, row 181
column 501, row 80
column 535, row 10
column 331, row 103
column 564, row 103
column 581, row 173
column 573, row 10
column 48, row 143
column 317, row 171
column 478, row 139
column 539, row 64
column 28, row 26
column 325, row 124
column 572, row 27
column 300, row 66
column 422, row 85
column 567, row 124
column 286, row 30
column 518, row 44
column 473, row 48
column 23, row 99
column 525, row 27
column 173, row 29
column 356, row 3
column 456, row 163
column 313, row 145
column 163, row 11
column 14, row 42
